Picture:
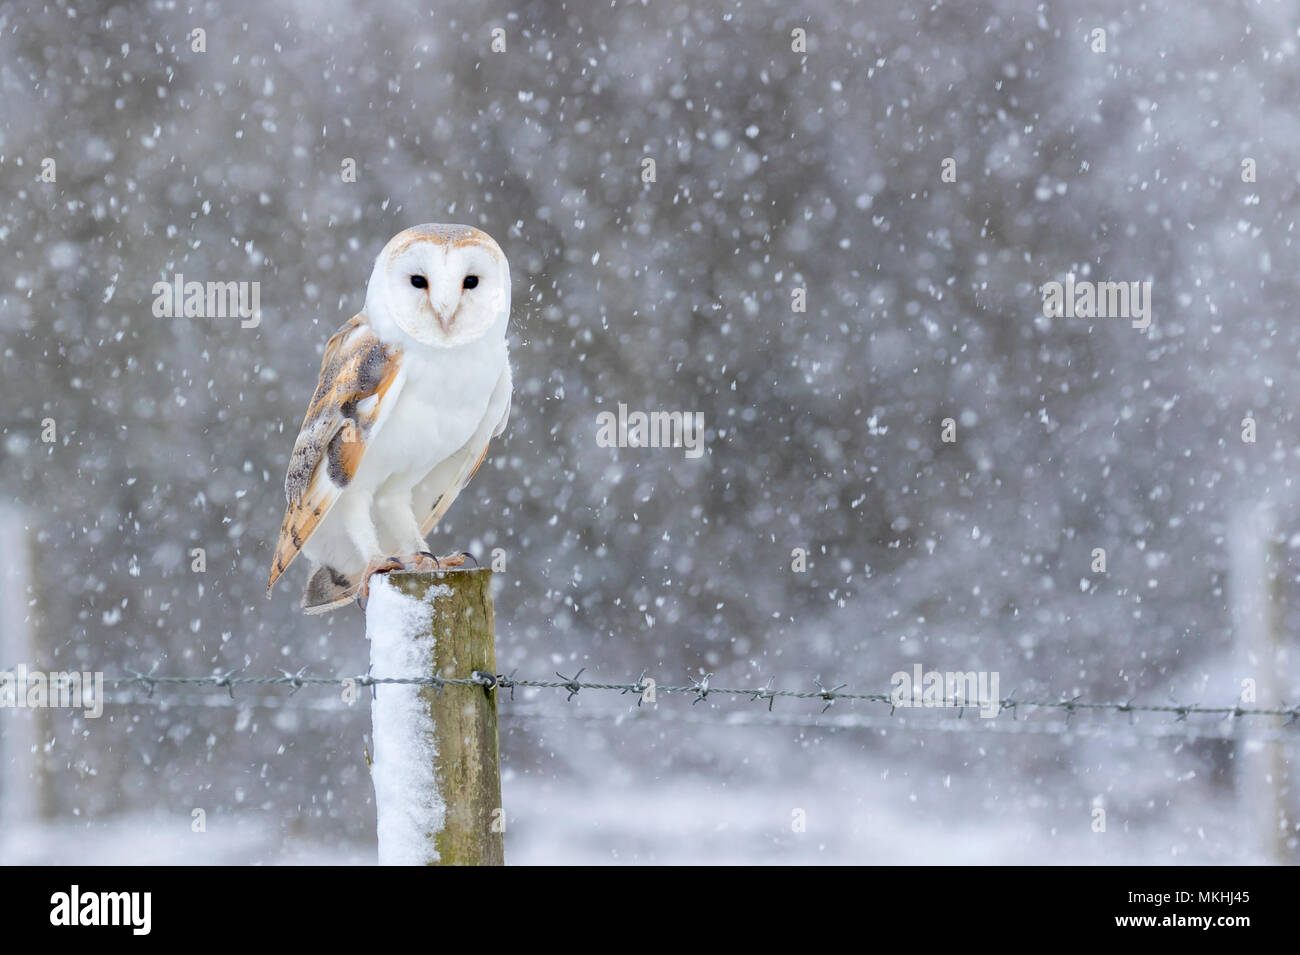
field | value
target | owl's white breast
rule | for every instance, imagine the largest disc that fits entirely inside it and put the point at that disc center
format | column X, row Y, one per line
column 442, row 397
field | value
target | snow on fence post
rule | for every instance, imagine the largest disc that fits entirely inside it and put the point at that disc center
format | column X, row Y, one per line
column 436, row 764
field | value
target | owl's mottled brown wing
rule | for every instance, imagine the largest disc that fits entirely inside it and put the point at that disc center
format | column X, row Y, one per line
column 356, row 379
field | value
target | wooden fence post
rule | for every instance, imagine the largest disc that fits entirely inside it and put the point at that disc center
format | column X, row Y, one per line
column 437, row 764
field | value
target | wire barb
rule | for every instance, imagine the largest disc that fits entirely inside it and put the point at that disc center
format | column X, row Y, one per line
column 701, row 688
column 296, row 679
column 767, row 693
column 227, row 682
column 571, row 683
column 830, row 696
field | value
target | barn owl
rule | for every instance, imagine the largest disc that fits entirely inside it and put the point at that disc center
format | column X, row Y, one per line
column 412, row 390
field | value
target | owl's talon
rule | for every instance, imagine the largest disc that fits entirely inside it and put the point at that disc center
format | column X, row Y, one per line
column 380, row 565
column 466, row 553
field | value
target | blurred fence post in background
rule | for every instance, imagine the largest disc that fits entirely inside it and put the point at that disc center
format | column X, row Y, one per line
column 27, row 790
column 1256, row 580
column 437, row 763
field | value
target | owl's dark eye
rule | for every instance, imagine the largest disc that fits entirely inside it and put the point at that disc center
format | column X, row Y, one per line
column 419, row 281
column 471, row 281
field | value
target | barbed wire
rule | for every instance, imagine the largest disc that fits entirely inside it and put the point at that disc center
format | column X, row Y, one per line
column 526, row 712
column 1219, row 731
column 701, row 689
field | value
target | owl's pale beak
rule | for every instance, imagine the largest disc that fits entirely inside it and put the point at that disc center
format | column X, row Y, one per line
column 444, row 312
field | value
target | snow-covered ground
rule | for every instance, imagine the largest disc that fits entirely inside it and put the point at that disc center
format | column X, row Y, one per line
column 662, row 791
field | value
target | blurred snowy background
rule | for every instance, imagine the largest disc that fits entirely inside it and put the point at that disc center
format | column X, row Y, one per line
column 775, row 170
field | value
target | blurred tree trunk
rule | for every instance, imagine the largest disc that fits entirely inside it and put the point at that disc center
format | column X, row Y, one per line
column 1257, row 560
column 28, row 788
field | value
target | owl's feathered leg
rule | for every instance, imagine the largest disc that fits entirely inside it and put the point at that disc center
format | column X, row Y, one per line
column 399, row 529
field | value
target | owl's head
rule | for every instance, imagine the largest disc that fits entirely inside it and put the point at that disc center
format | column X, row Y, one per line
column 441, row 285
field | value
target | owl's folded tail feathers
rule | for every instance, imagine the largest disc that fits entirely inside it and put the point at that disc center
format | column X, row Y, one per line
column 300, row 522
column 327, row 589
